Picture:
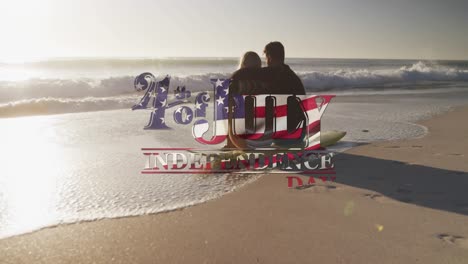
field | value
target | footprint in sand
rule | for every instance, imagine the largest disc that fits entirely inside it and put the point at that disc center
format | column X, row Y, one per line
column 392, row 147
column 450, row 154
column 384, row 199
column 379, row 198
column 412, row 146
column 454, row 240
column 318, row 188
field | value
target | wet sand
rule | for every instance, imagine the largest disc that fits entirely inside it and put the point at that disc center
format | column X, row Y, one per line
column 392, row 202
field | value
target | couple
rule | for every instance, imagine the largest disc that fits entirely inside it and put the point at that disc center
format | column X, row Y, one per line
column 276, row 78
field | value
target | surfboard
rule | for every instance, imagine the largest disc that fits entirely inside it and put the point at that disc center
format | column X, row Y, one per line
column 330, row 138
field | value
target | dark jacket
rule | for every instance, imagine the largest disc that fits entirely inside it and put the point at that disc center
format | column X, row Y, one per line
column 279, row 79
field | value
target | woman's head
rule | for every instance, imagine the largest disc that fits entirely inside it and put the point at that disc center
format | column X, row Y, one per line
column 250, row 60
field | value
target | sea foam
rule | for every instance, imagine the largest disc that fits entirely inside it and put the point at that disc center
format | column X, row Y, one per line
column 53, row 96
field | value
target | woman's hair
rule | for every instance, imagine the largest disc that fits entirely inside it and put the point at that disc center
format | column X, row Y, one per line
column 250, row 60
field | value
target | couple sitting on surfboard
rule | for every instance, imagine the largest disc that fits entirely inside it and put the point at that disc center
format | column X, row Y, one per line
column 276, row 78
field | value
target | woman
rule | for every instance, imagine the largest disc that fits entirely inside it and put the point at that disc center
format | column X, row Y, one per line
column 249, row 60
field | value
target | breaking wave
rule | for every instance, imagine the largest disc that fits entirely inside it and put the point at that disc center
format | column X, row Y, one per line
column 419, row 72
column 53, row 96
column 48, row 106
column 80, row 88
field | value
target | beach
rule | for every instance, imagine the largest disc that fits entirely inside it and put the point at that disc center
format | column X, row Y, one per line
column 233, row 132
column 71, row 187
column 397, row 201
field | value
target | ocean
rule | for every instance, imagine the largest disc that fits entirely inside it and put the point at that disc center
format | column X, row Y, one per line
column 71, row 146
column 80, row 85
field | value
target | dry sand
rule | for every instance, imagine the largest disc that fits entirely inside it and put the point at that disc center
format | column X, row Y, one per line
column 393, row 202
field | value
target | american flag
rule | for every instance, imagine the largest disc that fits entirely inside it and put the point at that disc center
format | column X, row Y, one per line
column 313, row 107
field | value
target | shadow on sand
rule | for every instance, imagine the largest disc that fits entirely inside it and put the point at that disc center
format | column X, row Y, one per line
column 417, row 184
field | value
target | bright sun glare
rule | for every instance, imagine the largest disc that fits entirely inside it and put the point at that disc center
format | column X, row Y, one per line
column 31, row 165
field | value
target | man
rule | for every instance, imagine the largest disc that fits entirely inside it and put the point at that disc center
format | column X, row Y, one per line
column 278, row 77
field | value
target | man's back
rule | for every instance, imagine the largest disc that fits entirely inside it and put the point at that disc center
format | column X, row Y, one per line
column 279, row 79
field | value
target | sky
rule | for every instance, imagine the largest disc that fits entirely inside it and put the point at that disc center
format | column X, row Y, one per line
column 395, row 29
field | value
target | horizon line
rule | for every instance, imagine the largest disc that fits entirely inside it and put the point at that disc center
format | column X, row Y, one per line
column 58, row 58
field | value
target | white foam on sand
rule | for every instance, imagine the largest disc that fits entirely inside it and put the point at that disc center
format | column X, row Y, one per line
column 81, row 167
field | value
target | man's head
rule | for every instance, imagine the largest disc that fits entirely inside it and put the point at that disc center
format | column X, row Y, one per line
column 274, row 52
